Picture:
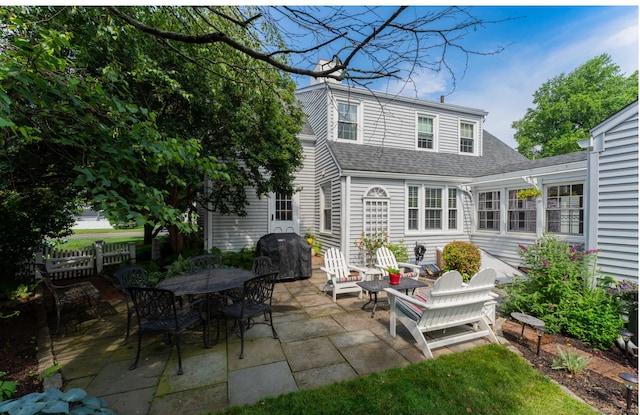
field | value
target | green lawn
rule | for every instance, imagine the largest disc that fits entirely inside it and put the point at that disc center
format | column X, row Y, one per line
column 485, row 380
column 77, row 243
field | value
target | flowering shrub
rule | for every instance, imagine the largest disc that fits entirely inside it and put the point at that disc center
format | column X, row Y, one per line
column 559, row 292
column 369, row 245
column 624, row 293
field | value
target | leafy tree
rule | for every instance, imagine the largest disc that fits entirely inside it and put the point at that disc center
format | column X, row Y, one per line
column 143, row 157
column 568, row 106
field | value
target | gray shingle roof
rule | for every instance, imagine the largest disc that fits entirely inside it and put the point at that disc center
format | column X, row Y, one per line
column 393, row 160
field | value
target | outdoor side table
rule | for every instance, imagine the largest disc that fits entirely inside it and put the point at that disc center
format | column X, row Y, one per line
column 372, row 274
column 527, row 320
column 373, row 287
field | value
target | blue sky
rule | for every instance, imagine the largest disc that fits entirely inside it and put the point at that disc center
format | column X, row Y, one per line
column 545, row 42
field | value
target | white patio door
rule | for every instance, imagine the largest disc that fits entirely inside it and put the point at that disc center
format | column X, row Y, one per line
column 283, row 213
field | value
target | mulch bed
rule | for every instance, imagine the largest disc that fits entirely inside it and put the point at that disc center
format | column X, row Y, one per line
column 594, row 387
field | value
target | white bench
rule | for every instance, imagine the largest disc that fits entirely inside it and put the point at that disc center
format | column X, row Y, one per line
column 450, row 303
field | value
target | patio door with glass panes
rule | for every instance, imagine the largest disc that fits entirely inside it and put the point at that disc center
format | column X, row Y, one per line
column 283, row 213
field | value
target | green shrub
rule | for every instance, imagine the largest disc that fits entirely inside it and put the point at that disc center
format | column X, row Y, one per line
column 399, row 250
column 558, row 291
column 463, row 257
column 7, row 387
column 595, row 319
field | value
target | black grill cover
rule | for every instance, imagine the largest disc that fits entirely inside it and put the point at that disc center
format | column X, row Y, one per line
column 289, row 252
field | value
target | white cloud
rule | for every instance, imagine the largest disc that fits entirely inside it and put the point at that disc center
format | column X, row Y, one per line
column 505, row 87
column 421, row 85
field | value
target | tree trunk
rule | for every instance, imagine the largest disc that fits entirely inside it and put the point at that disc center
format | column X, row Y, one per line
column 148, row 234
column 177, row 239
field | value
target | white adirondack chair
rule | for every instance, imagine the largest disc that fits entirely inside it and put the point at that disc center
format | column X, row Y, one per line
column 385, row 259
column 450, row 303
column 339, row 278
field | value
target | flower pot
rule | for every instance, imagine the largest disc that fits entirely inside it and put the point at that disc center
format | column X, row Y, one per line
column 394, row 279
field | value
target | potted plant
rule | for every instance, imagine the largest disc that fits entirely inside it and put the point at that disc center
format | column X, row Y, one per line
column 394, row 275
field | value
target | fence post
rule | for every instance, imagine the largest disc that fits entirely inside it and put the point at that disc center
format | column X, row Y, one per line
column 99, row 257
column 132, row 252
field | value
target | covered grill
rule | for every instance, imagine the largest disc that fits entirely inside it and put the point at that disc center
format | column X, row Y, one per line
column 289, row 252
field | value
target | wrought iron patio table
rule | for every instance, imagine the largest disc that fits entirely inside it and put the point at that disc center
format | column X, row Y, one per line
column 373, row 287
column 207, row 282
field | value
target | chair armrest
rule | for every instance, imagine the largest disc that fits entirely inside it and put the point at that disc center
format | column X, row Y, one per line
column 328, row 271
column 408, row 265
column 355, row 268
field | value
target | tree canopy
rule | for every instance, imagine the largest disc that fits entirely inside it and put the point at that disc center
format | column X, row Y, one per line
column 122, row 120
column 569, row 105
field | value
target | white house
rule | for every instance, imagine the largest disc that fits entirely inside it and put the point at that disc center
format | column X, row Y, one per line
column 612, row 183
column 426, row 173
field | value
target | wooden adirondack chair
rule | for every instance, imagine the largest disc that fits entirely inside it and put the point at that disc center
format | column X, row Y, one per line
column 339, row 277
column 386, row 259
column 450, row 303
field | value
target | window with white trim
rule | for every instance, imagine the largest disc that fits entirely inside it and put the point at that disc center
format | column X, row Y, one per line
column 376, row 212
column 521, row 213
column 426, row 132
column 467, row 137
column 429, row 210
column 283, row 207
column 325, row 207
column 413, row 210
column 432, row 208
column 489, row 210
column 564, row 205
column 347, row 121
column 453, row 208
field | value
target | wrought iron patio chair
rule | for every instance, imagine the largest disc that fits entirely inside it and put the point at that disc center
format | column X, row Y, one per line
column 156, row 311
column 131, row 276
column 205, row 261
column 261, row 265
column 79, row 295
column 258, row 294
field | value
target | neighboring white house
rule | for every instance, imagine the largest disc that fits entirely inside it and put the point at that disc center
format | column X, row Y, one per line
column 90, row 219
column 425, row 172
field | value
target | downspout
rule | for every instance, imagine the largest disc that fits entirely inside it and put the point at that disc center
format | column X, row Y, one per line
column 467, row 189
column 345, row 200
column 594, row 145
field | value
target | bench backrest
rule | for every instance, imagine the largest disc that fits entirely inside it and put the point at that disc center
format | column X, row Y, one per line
column 452, row 303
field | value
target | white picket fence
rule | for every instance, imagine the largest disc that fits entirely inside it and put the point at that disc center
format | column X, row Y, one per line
column 85, row 262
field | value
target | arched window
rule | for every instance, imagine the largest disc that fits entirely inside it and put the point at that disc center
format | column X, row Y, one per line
column 376, row 211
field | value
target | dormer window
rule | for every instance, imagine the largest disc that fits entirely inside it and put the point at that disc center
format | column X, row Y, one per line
column 467, row 137
column 347, row 121
column 426, row 132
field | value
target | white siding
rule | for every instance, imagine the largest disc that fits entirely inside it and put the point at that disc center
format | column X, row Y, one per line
column 305, row 180
column 617, row 196
column 232, row 232
column 392, row 123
